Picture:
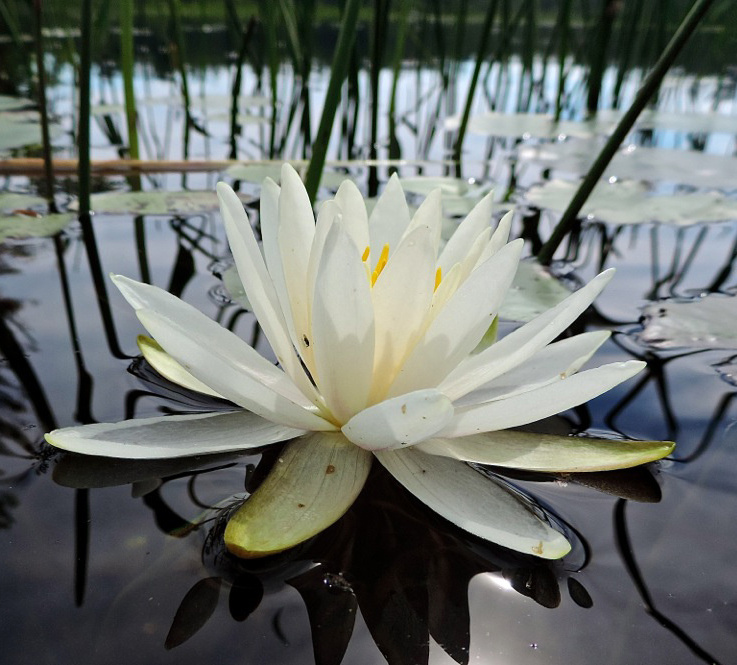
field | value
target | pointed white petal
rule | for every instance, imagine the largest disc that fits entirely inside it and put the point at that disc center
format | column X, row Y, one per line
column 522, row 343
column 542, row 402
column 460, row 325
column 401, row 298
column 355, row 217
column 269, row 224
column 430, row 216
column 169, row 368
column 401, row 421
column 499, row 237
column 475, row 223
column 314, row 481
column 231, row 367
column 342, row 326
column 159, row 303
column 388, row 220
column 172, row 436
column 329, row 213
column 260, row 288
column 295, row 236
column 555, row 362
column 475, row 503
column 548, row 452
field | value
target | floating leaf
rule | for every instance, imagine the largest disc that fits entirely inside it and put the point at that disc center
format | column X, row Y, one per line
column 702, row 123
column 10, row 201
column 155, row 202
column 27, row 226
column 687, row 167
column 533, row 291
column 628, row 202
column 254, row 172
column 709, row 322
column 14, row 103
column 536, row 125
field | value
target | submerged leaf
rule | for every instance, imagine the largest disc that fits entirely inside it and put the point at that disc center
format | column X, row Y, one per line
column 195, row 609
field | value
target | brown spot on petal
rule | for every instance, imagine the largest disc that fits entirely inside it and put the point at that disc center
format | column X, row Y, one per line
column 404, row 408
column 330, row 469
column 300, row 505
column 538, row 549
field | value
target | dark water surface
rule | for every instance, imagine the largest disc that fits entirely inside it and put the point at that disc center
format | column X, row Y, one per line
column 131, row 570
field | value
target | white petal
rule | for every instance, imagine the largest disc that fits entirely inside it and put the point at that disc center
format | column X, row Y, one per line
column 475, row 503
column 342, row 326
column 401, row 298
column 548, row 452
column 169, row 368
column 430, row 216
column 499, row 238
column 260, row 288
column 522, row 343
column 388, row 220
column 555, row 362
column 401, row 421
column 229, row 366
column 172, row 436
column 475, row 223
column 542, row 402
column 460, row 325
column 355, row 218
column 269, row 225
column 314, row 481
column 295, row 235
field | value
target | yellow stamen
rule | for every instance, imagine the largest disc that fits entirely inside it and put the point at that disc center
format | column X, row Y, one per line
column 380, row 264
column 366, row 253
column 438, row 277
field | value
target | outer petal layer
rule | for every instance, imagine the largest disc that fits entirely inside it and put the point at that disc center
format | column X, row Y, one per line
column 172, row 436
column 548, row 452
column 540, row 403
column 315, row 480
column 475, row 503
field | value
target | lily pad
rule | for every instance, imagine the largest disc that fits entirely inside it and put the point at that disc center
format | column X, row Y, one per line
column 535, row 125
column 254, row 172
column 14, row 103
column 10, row 201
column 628, row 202
column 704, row 123
column 709, row 322
column 156, row 202
column 534, row 290
column 27, row 226
column 686, row 167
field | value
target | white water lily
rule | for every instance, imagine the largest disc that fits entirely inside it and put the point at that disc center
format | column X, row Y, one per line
column 379, row 337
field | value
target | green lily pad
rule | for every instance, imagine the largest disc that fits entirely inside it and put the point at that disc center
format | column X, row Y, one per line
column 254, row 172
column 535, row 125
column 534, row 290
column 10, row 201
column 628, row 202
column 706, row 323
column 704, row 123
column 14, row 103
column 26, row 226
column 687, row 167
column 155, row 202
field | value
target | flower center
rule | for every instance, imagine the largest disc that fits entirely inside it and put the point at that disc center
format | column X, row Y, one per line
column 381, row 264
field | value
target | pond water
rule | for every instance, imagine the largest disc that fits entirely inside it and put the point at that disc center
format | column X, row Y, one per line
column 109, row 561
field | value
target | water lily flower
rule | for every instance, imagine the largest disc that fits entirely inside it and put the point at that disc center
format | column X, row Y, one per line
column 381, row 349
